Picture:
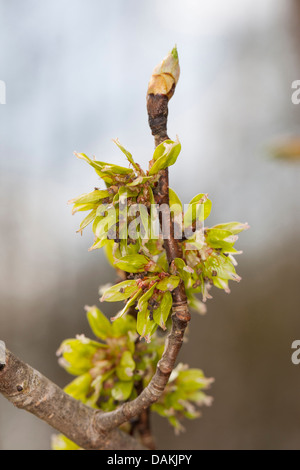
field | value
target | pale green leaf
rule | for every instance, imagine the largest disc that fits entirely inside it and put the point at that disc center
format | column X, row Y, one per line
column 128, row 154
column 160, row 315
column 126, row 367
column 122, row 391
column 99, row 324
column 233, row 227
column 168, row 283
column 121, row 291
column 165, row 155
column 80, row 387
column 88, row 219
column 132, row 263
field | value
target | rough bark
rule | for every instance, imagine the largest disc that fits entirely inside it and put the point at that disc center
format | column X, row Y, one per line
column 29, row 390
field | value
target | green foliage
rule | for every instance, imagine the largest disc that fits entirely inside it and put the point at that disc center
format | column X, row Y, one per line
column 211, row 262
column 110, row 372
column 114, row 368
column 61, row 442
column 106, row 371
column 206, row 262
column 184, row 394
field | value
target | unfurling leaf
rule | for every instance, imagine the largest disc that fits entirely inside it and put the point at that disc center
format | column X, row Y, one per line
column 88, row 219
column 165, row 155
column 199, row 209
column 174, row 201
column 128, row 155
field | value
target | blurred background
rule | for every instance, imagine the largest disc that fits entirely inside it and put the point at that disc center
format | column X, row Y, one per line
column 76, row 74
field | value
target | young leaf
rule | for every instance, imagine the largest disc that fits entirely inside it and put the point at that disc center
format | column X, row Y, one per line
column 132, row 263
column 108, row 217
column 99, row 243
column 99, row 324
column 199, row 209
column 168, row 283
column 140, row 180
column 88, row 219
column 193, row 379
column 128, row 155
column 127, row 306
column 217, row 234
column 115, row 170
column 79, row 388
column 145, row 326
column 122, row 391
column 91, row 198
column 97, row 167
column 160, row 315
column 184, row 270
column 126, row 367
column 233, row 227
column 165, row 155
column 120, row 291
column 123, row 325
column 77, row 354
column 83, row 207
column 174, row 199
column 61, row 442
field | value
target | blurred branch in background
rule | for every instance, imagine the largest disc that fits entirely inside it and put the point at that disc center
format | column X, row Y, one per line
column 286, row 148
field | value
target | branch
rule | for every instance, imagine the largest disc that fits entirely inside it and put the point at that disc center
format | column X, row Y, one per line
column 161, row 89
column 29, row 390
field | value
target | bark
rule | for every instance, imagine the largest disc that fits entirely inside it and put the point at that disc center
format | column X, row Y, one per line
column 29, row 390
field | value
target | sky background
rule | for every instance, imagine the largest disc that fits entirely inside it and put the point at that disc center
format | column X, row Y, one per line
column 76, row 74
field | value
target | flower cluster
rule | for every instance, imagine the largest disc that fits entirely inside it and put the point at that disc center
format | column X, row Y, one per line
column 183, row 395
column 113, row 368
column 207, row 252
column 132, row 185
column 116, row 366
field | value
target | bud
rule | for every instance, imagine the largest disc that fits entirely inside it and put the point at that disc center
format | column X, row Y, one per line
column 165, row 76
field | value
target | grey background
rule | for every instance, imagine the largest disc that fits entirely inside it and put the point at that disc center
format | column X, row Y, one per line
column 76, row 75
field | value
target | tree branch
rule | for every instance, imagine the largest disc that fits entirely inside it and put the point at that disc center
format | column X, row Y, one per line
column 161, row 89
column 29, row 390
